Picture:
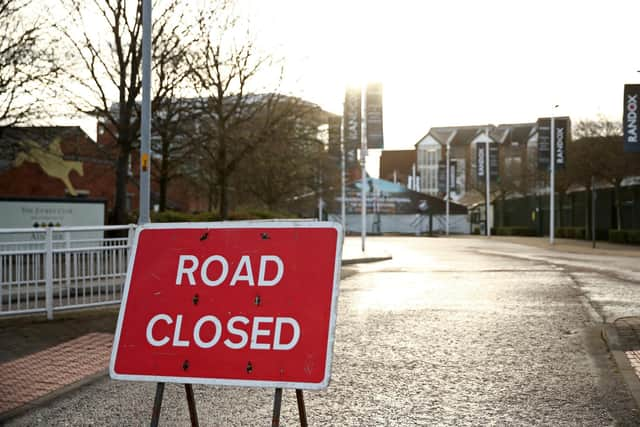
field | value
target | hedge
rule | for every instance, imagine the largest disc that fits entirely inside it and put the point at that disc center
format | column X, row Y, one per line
column 625, row 236
column 570, row 232
column 173, row 216
column 515, row 231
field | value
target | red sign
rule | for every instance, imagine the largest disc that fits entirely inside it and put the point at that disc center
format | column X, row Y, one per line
column 237, row 303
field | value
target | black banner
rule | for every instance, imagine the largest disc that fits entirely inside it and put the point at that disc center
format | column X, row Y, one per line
column 442, row 176
column 630, row 119
column 352, row 122
column 544, row 144
column 494, row 160
column 375, row 137
column 334, row 135
column 561, row 134
column 481, row 159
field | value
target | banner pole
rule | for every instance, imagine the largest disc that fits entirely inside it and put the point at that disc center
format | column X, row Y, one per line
column 552, row 183
column 448, row 172
column 487, row 173
column 145, row 122
column 343, row 209
column 363, row 154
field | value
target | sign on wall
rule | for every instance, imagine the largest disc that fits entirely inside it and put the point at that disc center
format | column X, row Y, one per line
column 243, row 303
column 28, row 213
column 630, row 119
column 375, row 134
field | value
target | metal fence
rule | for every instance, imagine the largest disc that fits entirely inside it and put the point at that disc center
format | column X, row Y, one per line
column 44, row 270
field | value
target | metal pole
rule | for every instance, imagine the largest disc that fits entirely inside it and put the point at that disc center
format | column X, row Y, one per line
column 552, row 184
column 448, row 185
column 363, row 155
column 157, row 405
column 320, row 201
column 191, row 402
column 343, row 210
column 302, row 412
column 145, row 123
column 487, row 173
column 414, row 185
column 48, row 272
column 277, row 404
column 593, row 212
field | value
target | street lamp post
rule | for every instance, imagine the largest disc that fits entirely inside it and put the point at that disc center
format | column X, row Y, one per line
column 447, row 183
column 145, row 122
column 552, row 183
column 363, row 155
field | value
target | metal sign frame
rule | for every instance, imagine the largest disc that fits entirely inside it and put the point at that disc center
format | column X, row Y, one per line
column 260, row 225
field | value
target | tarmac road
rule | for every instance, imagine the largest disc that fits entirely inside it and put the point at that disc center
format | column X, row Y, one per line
column 449, row 332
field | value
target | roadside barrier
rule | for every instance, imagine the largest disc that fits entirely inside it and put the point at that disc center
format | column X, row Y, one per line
column 57, row 268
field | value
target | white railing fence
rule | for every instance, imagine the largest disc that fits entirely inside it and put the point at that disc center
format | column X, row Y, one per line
column 49, row 269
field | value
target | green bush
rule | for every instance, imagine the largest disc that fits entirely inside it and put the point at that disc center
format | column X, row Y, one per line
column 173, row 216
column 514, row 231
column 570, row 232
column 617, row 236
column 625, row 236
column 633, row 237
column 257, row 214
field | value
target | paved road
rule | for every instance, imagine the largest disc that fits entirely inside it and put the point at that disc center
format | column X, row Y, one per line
column 455, row 331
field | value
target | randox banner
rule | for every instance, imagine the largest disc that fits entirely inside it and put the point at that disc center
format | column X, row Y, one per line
column 481, row 160
column 375, row 138
column 544, row 144
column 630, row 120
column 352, row 119
column 494, row 162
column 442, row 176
column 561, row 135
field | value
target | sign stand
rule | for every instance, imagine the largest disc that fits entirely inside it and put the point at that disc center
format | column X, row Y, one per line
column 157, row 404
column 277, row 404
column 193, row 414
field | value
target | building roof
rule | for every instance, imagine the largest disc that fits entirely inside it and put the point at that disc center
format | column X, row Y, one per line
column 407, row 201
column 457, row 135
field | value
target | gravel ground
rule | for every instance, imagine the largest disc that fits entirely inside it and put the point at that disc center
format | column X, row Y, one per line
column 443, row 334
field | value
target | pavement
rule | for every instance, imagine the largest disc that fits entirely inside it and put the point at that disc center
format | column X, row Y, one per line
column 41, row 360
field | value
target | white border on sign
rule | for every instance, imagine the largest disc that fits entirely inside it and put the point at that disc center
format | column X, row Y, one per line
column 265, row 224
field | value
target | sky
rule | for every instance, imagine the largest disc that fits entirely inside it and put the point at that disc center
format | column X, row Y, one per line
column 456, row 62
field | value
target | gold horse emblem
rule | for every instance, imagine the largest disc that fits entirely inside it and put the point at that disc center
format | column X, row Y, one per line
column 50, row 160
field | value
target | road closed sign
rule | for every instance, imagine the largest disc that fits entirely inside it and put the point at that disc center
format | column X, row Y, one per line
column 230, row 303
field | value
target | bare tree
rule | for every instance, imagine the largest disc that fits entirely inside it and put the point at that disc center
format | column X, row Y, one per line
column 291, row 162
column 609, row 162
column 104, row 37
column 27, row 62
column 173, row 116
column 238, row 112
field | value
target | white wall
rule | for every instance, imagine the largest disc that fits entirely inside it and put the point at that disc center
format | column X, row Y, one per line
column 408, row 224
